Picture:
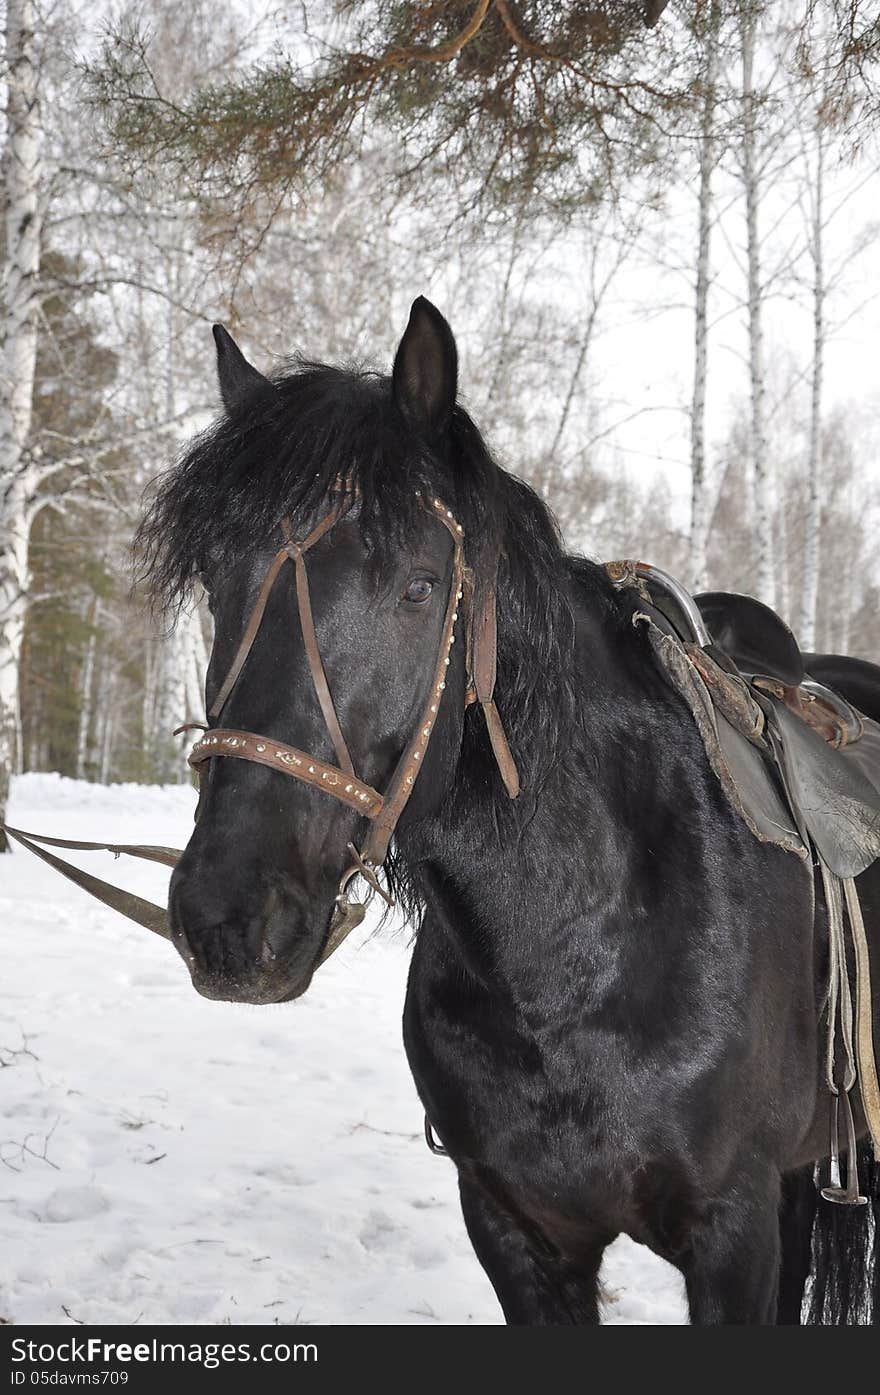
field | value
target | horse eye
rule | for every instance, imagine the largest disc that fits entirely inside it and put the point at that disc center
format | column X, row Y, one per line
column 418, row 590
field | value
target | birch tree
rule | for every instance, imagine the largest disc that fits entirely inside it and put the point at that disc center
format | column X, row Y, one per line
column 810, row 584
column 86, row 687
column 831, row 259
column 761, row 465
column 174, row 696
column 18, row 354
column 699, row 526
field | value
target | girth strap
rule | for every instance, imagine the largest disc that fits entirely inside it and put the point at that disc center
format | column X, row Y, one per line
column 839, row 995
column 869, row 1086
column 856, row 1031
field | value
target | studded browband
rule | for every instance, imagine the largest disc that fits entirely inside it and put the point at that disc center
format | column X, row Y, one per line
column 340, row 781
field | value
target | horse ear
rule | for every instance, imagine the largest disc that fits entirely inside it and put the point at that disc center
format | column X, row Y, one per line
column 239, row 380
column 425, row 375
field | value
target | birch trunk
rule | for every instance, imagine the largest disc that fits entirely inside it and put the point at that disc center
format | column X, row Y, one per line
column 171, row 707
column 181, row 662
column 18, row 353
column 85, row 700
column 699, row 535
column 196, row 667
column 108, row 729
column 148, row 719
column 782, row 579
column 810, row 592
column 763, row 479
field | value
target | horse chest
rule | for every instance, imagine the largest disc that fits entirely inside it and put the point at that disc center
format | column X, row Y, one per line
column 576, row 1157
column 567, row 1133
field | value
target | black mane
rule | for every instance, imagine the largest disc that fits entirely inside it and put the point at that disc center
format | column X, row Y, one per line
column 314, row 425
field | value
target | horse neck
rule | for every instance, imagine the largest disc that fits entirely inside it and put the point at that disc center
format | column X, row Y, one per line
column 506, row 883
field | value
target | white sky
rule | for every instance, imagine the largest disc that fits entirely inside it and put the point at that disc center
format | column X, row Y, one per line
column 643, row 363
column 653, row 362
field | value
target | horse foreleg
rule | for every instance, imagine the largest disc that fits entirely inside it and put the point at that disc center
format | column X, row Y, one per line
column 732, row 1261
column 535, row 1286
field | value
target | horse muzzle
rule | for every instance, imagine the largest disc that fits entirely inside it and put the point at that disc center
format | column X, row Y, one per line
column 240, row 956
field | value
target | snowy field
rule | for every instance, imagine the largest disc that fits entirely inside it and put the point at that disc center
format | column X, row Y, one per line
column 164, row 1159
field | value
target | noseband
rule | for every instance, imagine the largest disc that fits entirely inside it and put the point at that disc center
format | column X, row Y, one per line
column 340, row 781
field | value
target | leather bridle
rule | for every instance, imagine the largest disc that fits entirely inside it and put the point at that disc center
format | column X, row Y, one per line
column 340, row 781
column 382, row 810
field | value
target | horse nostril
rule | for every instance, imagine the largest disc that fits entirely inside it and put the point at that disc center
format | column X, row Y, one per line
column 239, row 936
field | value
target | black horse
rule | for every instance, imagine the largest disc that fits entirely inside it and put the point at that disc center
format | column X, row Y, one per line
column 614, row 1004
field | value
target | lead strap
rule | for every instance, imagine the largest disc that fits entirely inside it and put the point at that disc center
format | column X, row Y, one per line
column 136, row 908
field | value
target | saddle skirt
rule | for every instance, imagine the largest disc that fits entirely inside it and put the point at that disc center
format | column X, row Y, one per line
column 797, row 761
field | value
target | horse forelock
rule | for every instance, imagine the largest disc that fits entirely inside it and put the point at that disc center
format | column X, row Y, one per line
column 285, row 452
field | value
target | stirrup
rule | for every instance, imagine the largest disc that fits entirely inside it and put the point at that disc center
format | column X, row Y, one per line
column 848, row 1195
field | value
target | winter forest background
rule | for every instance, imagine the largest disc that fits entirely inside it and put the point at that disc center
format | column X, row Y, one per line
column 657, row 245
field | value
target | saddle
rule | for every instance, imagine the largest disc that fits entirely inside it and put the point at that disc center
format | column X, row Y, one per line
column 819, row 751
column 826, row 750
column 794, row 740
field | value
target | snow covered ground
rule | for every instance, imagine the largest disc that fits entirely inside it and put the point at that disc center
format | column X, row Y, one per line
column 168, row 1159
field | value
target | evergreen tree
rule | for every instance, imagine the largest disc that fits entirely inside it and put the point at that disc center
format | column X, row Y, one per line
column 517, row 103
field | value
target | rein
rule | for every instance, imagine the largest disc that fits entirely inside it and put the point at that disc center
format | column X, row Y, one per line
column 340, row 781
